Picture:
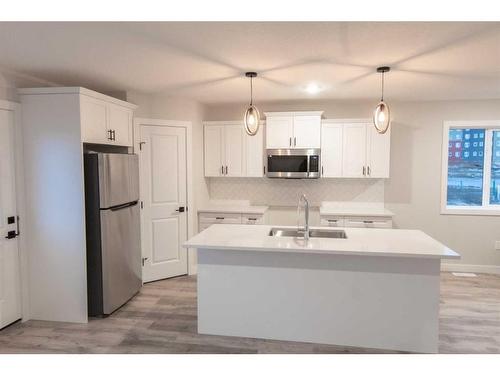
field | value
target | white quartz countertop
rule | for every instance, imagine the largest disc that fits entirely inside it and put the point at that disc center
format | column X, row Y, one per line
column 360, row 241
column 235, row 209
column 355, row 211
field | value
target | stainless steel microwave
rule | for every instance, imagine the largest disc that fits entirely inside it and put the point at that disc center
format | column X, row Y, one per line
column 293, row 163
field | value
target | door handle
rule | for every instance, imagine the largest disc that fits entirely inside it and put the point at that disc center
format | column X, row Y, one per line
column 180, row 209
column 114, row 135
column 368, row 170
column 110, row 138
column 290, row 139
column 144, row 260
column 226, row 170
column 364, row 171
column 11, row 234
column 294, row 141
column 322, row 173
column 222, row 169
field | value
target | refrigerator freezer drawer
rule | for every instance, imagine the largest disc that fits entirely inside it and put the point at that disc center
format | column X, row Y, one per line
column 121, row 256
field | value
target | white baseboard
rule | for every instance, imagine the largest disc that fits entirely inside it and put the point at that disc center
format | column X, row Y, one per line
column 477, row 268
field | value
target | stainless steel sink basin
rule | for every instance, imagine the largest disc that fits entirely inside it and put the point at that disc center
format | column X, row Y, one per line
column 322, row 233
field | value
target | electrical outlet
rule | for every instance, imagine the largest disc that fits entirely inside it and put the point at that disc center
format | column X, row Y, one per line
column 497, row 245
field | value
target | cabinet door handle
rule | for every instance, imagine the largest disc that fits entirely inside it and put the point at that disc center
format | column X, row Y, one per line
column 113, row 135
column 294, row 141
column 219, row 218
column 226, row 170
column 222, row 169
column 252, row 218
column 322, row 173
column 368, row 170
column 290, row 139
column 110, row 138
column 364, row 171
column 332, row 221
column 368, row 221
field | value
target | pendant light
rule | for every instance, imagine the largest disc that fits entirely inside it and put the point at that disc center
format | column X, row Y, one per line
column 382, row 114
column 252, row 115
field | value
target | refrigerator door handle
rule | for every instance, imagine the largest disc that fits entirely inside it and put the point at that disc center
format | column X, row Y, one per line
column 122, row 206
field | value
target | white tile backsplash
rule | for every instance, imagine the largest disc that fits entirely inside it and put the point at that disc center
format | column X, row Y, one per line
column 282, row 192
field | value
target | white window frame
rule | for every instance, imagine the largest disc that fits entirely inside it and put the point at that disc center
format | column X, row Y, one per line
column 487, row 210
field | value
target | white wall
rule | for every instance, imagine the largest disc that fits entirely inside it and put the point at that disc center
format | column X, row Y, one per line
column 413, row 191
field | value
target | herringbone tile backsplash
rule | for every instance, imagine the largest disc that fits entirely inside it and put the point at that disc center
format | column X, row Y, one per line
column 281, row 192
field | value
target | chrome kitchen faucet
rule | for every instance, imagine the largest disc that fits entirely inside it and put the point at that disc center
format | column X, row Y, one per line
column 306, row 212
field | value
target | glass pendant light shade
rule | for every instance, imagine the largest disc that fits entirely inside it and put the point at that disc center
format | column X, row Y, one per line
column 252, row 120
column 252, row 115
column 382, row 114
column 382, row 117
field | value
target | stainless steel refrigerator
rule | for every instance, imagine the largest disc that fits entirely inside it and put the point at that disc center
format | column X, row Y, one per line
column 113, row 230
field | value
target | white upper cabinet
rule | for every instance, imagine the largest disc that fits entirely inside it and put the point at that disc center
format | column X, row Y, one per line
column 106, row 122
column 93, row 120
column 364, row 152
column 254, row 154
column 279, row 131
column 293, row 129
column 354, row 145
column 214, row 151
column 378, row 153
column 233, row 144
column 120, row 122
column 331, row 149
column 307, row 131
column 230, row 152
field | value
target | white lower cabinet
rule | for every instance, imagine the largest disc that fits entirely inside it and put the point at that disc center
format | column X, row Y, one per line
column 356, row 221
column 207, row 219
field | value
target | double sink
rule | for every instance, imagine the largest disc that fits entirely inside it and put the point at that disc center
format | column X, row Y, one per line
column 318, row 233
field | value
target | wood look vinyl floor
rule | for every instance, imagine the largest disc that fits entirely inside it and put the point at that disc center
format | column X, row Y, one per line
column 162, row 319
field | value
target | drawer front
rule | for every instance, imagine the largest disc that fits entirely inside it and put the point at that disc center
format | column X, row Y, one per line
column 332, row 221
column 368, row 222
column 252, row 219
column 220, row 218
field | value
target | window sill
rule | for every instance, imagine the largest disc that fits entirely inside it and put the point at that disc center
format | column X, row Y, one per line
column 485, row 211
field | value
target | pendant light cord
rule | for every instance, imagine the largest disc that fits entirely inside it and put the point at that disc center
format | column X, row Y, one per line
column 382, row 99
column 251, row 90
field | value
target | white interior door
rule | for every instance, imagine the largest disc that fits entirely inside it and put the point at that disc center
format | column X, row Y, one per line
column 354, row 145
column 10, row 284
column 164, row 196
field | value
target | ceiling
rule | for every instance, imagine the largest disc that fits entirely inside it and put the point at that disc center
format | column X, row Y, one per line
column 206, row 61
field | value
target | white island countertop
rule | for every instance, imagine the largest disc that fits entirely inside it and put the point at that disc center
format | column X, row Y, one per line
column 359, row 241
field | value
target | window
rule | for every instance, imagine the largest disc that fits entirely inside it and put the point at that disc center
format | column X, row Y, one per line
column 471, row 169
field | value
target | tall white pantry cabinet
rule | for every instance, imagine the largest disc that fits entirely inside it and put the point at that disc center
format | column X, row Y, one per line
column 55, row 124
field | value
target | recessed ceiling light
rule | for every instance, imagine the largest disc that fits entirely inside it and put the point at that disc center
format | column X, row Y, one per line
column 313, row 88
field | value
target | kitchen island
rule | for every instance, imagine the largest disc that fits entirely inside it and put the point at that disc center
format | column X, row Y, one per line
column 377, row 288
